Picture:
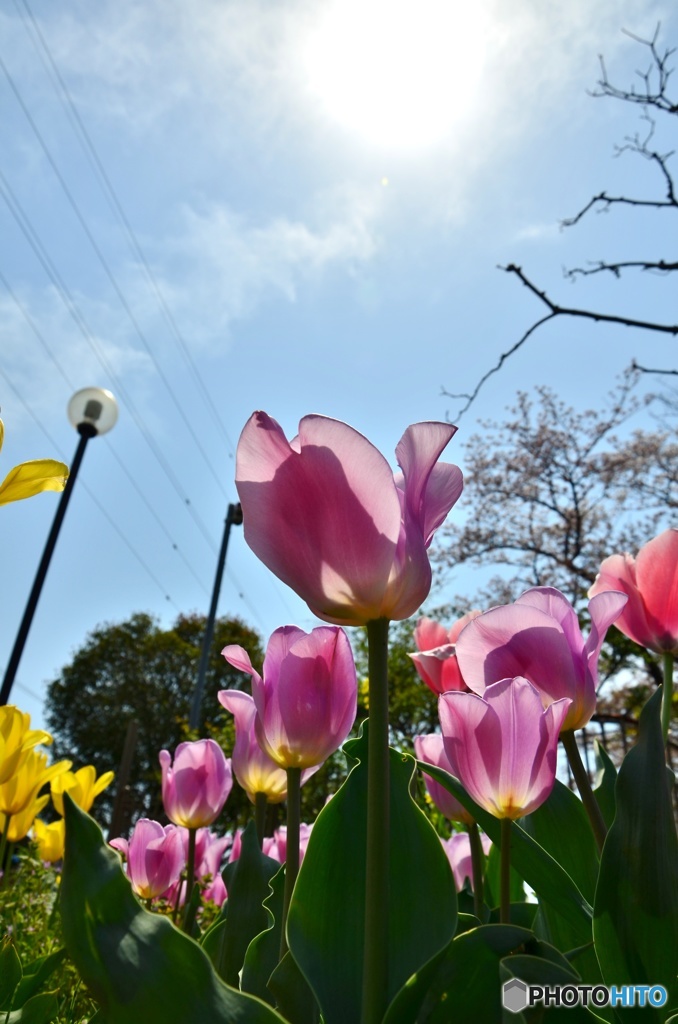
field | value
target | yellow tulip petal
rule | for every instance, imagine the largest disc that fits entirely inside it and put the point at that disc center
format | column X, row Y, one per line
column 29, row 478
column 2, row 434
column 20, row 824
column 50, row 839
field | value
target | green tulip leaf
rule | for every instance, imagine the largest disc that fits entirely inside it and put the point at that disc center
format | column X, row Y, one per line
column 36, row 974
column 635, row 925
column 10, row 973
column 293, row 996
column 41, row 1009
column 561, row 826
column 547, row 968
column 606, row 782
column 326, row 918
column 136, row 964
column 463, row 984
column 263, row 952
column 247, row 881
column 537, row 867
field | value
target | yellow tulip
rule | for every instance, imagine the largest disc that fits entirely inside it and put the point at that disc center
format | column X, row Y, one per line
column 20, row 824
column 16, row 739
column 50, row 838
column 23, row 787
column 29, row 478
column 82, row 787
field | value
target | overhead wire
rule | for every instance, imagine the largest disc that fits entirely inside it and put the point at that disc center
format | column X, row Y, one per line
column 111, row 196
column 50, row 353
column 102, row 509
column 109, row 273
column 40, row 251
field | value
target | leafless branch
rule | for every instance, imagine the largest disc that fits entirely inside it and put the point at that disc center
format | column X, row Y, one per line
column 645, row 369
column 660, row 266
column 650, row 96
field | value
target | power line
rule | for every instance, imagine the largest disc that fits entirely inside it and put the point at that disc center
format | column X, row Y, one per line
column 102, row 508
column 36, row 244
column 62, row 91
column 109, row 273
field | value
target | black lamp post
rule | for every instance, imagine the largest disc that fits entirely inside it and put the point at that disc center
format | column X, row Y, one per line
column 91, row 411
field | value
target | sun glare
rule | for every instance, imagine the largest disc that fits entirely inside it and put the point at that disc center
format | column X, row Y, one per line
column 399, row 73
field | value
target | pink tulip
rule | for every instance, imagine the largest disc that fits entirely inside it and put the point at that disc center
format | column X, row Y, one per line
column 458, row 850
column 195, row 787
column 431, row 749
column 306, row 701
column 538, row 637
column 436, row 660
column 155, row 857
column 503, row 746
column 651, row 582
column 327, row 515
column 254, row 769
column 276, row 845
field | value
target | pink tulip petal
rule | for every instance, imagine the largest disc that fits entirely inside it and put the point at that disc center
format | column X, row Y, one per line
column 325, row 519
column 431, row 749
column 604, row 609
column 517, row 640
column 472, row 738
column 431, row 489
column 657, row 579
column 239, row 658
column 429, row 634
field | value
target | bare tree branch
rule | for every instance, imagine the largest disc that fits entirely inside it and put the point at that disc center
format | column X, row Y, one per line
column 645, row 369
column 660, row 266
column 652, row 94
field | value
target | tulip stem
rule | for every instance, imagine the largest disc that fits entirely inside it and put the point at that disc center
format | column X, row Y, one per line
column 292, row 857
column 260, row 806
column 190, row 877
column 3, row 848
column 505, row 873
column 477, row 857
column 667, row 695
column 377, row 867
column 586, row 793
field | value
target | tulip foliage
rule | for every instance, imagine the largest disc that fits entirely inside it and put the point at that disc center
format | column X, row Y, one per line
column 375, row 918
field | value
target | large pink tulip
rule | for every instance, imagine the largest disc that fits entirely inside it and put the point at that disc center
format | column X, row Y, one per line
column 458, row 850
column 195, row 787
column 306, row 701
column 432, row 749
column 254, row 769
column 503, row 746
column 327, row 515
column 436, row 660
column 651, row 583
column 538, row 636
column 155, row 857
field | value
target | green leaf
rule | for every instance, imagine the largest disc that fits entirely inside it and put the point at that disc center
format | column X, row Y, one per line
column 137, row 965
column 10, row 973
column 294, row 998
column 549, row 880
column 546, row 968
column 326, row 917
column 561, row 826
column 635, row 925
column 37, row 973
column 606, row 779
column 492, row 872
column 263, row 952
column 39, row 1010
column 463, row 985
column 247, row 882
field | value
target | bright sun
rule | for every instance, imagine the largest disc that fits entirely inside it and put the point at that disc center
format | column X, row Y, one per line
column 399, row 73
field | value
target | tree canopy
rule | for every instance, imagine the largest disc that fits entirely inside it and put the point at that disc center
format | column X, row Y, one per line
column 137, row 671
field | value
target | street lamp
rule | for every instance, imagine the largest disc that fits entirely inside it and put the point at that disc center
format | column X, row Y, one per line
column 92, row 411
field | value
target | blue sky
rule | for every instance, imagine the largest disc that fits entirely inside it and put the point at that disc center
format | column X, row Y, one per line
column 319, row 195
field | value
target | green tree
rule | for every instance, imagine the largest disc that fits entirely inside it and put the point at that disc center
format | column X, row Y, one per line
column 135, row 671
